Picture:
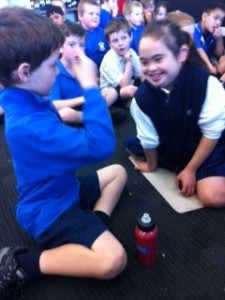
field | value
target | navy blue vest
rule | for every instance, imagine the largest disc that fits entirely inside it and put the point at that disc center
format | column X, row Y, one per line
column 175, row 116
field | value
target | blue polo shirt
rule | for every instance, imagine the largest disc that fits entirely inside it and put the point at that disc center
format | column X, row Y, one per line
column 96, row 45
column 136, row 32
column 205, row 42
column 105, row 18
column 65, row 86
column 46, row 153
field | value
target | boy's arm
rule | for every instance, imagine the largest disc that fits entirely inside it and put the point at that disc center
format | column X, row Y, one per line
column 204, row 56
column 127, row 71
column 59, row 104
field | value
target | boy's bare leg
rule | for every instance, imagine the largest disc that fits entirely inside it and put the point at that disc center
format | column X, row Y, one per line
column 211, row 191
column 106, row 259
column 110, row 95
column 128, row 91
column 112, row 180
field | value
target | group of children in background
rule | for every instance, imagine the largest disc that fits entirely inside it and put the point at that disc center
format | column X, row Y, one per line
column 117, row 79
column 175, row 100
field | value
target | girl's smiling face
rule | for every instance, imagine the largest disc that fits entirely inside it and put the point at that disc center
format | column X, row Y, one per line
column 159, row 64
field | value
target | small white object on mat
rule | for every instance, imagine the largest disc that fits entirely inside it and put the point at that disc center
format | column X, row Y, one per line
column 164, row 182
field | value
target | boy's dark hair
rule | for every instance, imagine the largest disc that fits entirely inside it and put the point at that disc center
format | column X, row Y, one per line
column 210, row 6
column 173, row 37
column 82, row 3
column 53, row 9
column 25, row 37
column 115, row 26
column 72, row 29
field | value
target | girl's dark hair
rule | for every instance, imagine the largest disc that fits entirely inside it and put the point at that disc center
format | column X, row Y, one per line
column 174, row 38
column 25, row 36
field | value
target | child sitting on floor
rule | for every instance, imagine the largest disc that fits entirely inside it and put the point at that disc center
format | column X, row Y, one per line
column 66, row 214
column 179, row 115
column 134, row 14
column 120, row 65
column 208, row 36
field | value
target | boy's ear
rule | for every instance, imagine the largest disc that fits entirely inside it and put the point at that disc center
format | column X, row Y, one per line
column 23, row 73
column 61, row 50
column 183, row 53
column 204, row 15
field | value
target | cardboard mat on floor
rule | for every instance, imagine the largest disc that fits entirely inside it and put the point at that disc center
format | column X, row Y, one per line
column 164, row 182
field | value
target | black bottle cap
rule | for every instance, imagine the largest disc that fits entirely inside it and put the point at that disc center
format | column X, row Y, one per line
column 146, row 223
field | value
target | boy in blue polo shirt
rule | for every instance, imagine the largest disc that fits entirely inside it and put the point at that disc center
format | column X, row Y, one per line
column 133, row 12
column 66, row 93
column 69, row 215
column 208, row 36
column 89, row 17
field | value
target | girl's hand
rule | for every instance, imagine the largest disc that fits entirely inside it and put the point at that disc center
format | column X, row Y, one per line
column 186, row 182
column 141, row 165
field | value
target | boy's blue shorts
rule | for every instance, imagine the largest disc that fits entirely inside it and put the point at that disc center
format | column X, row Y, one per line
column 79, row 224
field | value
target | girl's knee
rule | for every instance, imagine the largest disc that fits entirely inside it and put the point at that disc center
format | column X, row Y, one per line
column 212, row 198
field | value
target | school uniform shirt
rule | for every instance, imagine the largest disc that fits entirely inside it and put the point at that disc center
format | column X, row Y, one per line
column 46, row 153
column 136, row 33
column 191, row 110
column 206, row 43
column 65, row 86
column 112, row 69
column 105, row 17
column 96, row 45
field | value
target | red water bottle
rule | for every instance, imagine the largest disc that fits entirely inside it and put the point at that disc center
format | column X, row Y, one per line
column 146, row 238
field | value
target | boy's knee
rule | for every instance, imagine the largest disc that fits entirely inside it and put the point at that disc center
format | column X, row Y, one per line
column 113, row 264
column 119, row 171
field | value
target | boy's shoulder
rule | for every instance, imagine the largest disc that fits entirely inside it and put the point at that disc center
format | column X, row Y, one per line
column 97, row 31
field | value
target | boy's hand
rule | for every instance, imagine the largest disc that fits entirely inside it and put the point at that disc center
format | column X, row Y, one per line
column 127, row 56
column 115, row 10
column 84, row 69
column 217, row 33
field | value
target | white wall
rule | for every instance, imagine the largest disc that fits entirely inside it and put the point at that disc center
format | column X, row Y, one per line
column 24, row 3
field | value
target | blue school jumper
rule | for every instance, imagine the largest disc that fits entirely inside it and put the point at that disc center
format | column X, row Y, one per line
column 46, row 153
column 175, row 117
column 96, row 45
column 65, row 86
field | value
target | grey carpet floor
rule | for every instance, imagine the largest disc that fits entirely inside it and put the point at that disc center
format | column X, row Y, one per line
column 191, row 264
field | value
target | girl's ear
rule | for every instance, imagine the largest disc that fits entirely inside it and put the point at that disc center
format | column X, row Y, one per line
column 23, row 73
column 183, row 53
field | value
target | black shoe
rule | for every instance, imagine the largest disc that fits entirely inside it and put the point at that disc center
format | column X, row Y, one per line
column 12, row 278
column 118, row 115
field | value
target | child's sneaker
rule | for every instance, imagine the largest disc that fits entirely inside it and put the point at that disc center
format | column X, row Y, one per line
column 12, row 278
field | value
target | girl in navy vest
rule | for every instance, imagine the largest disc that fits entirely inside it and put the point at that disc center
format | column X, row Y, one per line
column 179, row 111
